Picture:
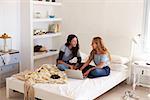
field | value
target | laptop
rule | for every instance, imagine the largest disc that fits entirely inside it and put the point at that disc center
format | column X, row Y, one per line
column 76, row 74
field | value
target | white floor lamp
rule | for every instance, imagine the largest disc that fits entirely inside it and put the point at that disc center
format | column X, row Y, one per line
column 134, row 43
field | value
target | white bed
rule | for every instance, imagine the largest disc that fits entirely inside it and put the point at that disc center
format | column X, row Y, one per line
column 86, row 89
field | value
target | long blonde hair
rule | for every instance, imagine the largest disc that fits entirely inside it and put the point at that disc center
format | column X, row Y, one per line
column 100, row 46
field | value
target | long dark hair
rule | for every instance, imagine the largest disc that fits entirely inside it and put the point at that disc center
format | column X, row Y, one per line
column 74, row 49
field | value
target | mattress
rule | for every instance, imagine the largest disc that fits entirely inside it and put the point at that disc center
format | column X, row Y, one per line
column 86, row 89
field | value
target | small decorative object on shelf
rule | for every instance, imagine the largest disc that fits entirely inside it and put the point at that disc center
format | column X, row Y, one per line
column 47, row 0
column 40, row 48
column 39, row 32
column 54, row 28
column 5, row 43
column 53, row 0
column 51, row 14
column 37, row 15
column 53, row 50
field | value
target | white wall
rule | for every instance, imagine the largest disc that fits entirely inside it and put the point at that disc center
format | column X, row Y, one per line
column 9, row 20
column 117, row 21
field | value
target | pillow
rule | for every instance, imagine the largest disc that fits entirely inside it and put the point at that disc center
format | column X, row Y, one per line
column 84, row 57
column 119, row 59
column 118, row 67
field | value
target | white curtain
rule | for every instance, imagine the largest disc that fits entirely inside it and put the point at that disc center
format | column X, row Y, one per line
column 147, row 27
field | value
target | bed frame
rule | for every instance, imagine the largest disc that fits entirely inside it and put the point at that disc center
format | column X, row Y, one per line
column 17, row 85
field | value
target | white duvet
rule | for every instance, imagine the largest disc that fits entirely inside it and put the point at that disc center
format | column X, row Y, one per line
column 86, row 89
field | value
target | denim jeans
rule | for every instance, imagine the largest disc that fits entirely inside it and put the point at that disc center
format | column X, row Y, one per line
column 62, row 67
column 99, row 72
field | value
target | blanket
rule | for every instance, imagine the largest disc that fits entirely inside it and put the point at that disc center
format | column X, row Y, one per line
column 44, row 74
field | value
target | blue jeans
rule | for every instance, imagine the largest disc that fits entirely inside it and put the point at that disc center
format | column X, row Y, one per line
column 99, row 72
column 62, row 67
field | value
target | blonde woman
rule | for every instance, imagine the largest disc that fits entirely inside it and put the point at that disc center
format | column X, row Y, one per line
column 101, row 58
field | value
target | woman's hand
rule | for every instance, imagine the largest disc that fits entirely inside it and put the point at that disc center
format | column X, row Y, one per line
column 71, row 67
column 85, row 64
column 75, row 68
column 86, row 73
column 82, row 68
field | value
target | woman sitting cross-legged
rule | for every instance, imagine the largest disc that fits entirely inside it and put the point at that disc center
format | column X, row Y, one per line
column 101, row 58
column 68, row 52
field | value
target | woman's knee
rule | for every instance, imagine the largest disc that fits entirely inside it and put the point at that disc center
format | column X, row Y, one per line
column 96, row 72
column 99, row 72
column 107, row 69
column 62, row 67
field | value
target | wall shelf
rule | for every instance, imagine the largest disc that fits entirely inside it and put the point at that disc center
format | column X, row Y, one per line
column 46, row 3
column 49, row 35
column 46, row 19
column 29, row 23
column 39, row 55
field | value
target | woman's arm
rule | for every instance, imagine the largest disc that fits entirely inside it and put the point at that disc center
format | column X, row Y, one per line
column 89, row 60
column 85, row 64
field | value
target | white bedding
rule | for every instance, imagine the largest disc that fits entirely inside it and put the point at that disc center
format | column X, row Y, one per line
column 86, row 89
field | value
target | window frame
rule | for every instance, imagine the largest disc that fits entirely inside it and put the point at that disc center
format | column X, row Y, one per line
column 146, row 21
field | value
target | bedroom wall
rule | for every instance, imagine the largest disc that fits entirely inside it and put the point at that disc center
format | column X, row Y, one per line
column 9, row 20
column 117, row 21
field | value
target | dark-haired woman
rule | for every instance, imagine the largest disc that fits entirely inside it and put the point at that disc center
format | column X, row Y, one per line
column 67, row 52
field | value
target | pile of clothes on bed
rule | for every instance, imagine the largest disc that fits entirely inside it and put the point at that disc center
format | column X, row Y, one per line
column 44, row 74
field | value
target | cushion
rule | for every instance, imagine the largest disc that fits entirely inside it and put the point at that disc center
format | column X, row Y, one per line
column 84, row 57
column 118, row 67
column 119, row 59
